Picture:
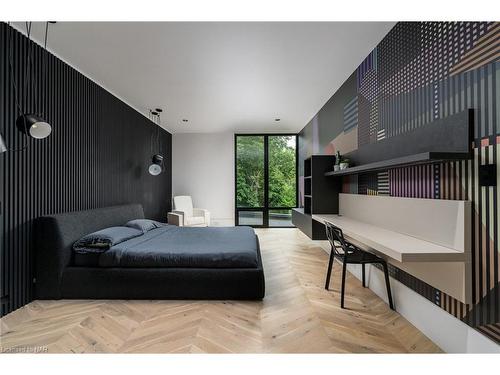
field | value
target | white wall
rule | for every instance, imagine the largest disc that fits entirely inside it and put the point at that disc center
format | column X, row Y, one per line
column 203, row 167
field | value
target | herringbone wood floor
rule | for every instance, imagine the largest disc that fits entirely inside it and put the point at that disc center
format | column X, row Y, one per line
column 297, row 315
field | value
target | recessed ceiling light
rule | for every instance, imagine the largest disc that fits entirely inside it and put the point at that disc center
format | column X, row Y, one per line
column 277, row 119
column 184, row 120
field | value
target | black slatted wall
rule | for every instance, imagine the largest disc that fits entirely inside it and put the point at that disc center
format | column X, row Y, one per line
column 96, row 156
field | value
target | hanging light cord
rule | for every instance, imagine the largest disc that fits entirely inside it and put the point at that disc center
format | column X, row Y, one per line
column 27, row 71
column 152, row 133
column 44, row 63
column 11, row 69
column 14, row 84
column 155, row 135
column 158, row 135
column 46, row 33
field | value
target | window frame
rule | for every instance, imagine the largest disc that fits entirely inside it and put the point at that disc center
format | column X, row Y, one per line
column 266, row 208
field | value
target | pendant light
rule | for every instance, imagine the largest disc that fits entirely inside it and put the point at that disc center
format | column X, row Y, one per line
column 156, row 166
column 32, row 124
column 3, row 148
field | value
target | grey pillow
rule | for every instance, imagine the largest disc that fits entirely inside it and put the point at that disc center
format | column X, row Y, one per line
column 102, row 240
column 145, row 225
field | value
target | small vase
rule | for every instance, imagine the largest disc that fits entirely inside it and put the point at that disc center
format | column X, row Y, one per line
column 336, row 167
column 344, row 166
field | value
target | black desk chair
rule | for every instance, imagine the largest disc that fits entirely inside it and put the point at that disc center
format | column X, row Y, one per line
column 348, row 253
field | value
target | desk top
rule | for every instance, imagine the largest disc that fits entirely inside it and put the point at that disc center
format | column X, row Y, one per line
column 398, row 246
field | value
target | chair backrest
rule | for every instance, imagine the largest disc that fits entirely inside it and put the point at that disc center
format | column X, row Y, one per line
column 336, row 239
column 184, row 203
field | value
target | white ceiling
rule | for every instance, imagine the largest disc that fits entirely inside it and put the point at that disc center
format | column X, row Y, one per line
column 220, row 76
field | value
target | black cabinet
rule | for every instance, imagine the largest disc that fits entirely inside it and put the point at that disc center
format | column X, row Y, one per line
column 312, row 228
column 321, row 195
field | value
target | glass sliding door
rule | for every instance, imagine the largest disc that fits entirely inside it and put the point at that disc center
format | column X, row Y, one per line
column 266, row 179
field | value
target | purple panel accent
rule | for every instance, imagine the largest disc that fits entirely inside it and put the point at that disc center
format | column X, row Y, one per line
column 412, row 182
column 364, row 67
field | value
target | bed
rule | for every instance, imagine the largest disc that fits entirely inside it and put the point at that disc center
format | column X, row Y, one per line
column 166, row 263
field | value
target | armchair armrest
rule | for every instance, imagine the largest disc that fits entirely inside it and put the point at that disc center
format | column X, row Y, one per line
column 204, row 213
column 176, row 218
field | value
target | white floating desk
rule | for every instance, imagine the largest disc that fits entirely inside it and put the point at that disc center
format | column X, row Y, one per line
column 400, row 247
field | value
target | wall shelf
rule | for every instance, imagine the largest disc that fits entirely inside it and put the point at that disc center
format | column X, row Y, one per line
column 410, row 160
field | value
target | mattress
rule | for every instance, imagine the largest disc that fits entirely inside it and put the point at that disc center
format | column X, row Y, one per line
column 182, row 247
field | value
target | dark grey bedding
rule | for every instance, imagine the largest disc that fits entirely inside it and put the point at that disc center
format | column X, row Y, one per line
column 189, row 247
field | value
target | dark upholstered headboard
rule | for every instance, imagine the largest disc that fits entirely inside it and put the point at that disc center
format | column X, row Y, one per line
column 54, row 236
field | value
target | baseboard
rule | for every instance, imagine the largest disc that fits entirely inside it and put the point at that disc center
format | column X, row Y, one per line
column 222, row 222
column 446, row 331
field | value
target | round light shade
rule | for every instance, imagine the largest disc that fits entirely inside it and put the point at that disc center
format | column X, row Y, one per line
column 154, row 169
column 34, row 126
column 156, row 166
column 3, row 148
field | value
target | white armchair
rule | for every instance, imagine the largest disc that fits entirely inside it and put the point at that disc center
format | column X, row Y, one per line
column 185, row 215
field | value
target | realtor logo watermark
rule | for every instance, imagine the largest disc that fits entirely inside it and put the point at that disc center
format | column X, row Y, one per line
column 24, row 349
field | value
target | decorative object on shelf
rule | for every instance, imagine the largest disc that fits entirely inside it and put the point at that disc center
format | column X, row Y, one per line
column 336, row 163
column 3, row 148
column 340, row 162
column 30, row 123
column 338, row 156
column 344, row 163
column 156, row 166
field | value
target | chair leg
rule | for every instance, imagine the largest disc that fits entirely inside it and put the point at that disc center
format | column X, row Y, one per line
column 363, row 274
column 388, row 285
column 344, row 271
column 329, row 271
